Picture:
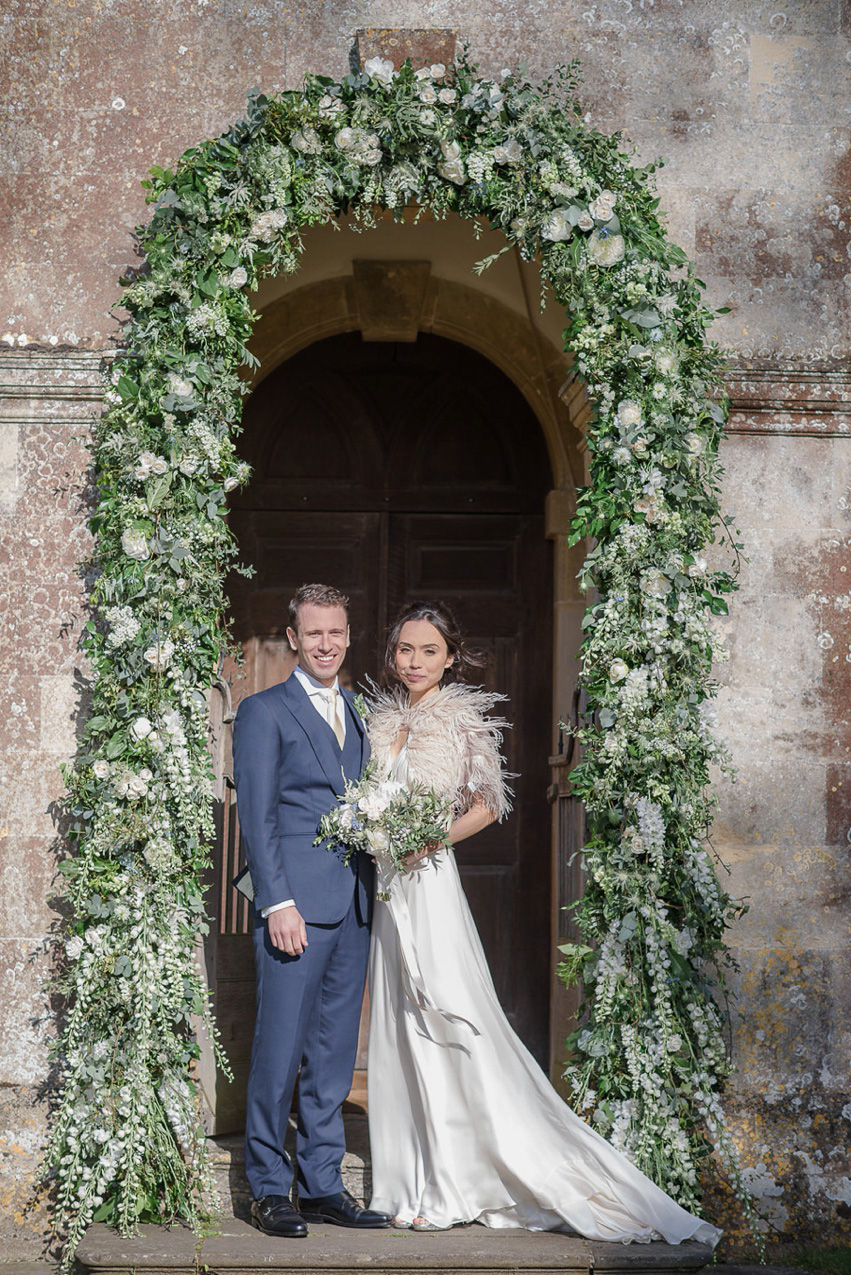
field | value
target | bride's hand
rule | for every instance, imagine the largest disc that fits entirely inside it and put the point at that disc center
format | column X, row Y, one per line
column 414, row 859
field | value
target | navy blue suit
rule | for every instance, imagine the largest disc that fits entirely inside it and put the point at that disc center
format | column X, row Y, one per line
column 289, row 770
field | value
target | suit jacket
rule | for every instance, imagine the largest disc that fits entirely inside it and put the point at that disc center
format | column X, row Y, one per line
column 289, row 773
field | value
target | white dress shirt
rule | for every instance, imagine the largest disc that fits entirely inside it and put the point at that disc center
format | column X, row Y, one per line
column 326, row 706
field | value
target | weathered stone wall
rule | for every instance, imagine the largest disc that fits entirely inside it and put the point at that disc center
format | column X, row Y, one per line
column 748, row 101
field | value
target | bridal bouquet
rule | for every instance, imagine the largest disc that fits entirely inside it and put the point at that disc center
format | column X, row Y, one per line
column 387, row 819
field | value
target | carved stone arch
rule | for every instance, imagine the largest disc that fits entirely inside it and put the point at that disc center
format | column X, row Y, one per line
column 466, row 314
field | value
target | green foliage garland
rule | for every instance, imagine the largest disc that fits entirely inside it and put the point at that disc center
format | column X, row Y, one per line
column 516, row 158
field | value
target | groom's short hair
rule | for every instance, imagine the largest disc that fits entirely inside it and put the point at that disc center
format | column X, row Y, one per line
column 320, row 595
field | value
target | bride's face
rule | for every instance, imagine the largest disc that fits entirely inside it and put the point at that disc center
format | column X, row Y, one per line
column 422, row 657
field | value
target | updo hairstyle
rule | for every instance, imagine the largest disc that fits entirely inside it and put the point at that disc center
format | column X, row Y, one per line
column 443, row 619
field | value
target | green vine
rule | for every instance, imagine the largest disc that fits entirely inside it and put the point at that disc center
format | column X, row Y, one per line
column 517, row 159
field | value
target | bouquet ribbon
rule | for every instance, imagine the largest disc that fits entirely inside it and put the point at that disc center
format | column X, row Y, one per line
column 413, row 982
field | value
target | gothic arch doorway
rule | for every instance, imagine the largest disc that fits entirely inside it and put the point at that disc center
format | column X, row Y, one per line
column 398, row 471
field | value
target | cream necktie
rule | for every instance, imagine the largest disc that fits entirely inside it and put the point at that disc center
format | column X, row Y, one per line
column 332, row 715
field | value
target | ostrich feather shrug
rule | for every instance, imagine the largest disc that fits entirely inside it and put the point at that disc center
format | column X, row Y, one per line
column 453, row 746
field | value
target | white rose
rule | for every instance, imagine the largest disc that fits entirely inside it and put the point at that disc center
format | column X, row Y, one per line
column 639, row 447
column 159, row 655
column 237, row 278
column 100, row 769
column 329, row 106
column 146, row 774
column 135, row 544
column 451, row 150
column 158, row 465
column 378, row 839
column 230, row 484
column 655, row 584
column 605, row 249
column 628, row 413
column 437, row 70
column 557, row 226
column 618, row 670
column 382, row 70
column 424, row 73
column 586, row 221
column 136, row 788
column 447, row 96
column 345, row 139
column 141, row 728
column 693, row 444
column 427, row 95
column 371, row 157
column 698, row 568
column 74, row 947
column 372, row 805
column 178, row 387
column 642, row 506
column 675, row 1043
column 299, row 142
column 453, row 171
column 602, row 207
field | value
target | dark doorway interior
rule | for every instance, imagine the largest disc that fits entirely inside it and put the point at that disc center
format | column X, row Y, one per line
column 398, row 472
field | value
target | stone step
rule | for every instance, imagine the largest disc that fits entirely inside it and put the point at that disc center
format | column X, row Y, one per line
column 239, row 1248
column 227, row 1154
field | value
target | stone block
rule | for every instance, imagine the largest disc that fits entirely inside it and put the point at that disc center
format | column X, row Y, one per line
column 28, row 883
column 423, row 47
column 8, row 467
column 20, row 726
column 64, row 707
column 27, row 1216
column 25, row 1022
column 775, row 801
column 32, row 785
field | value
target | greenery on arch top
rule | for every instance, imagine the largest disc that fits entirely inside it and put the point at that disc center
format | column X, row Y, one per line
column 516, row 158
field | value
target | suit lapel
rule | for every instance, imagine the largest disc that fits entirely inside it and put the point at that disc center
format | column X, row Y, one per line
column 354, row 716
column 321, row 741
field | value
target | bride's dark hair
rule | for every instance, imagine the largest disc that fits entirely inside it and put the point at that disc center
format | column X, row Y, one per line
column 443, row 619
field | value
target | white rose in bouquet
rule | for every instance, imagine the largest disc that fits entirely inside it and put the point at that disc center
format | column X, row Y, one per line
column 379, row 840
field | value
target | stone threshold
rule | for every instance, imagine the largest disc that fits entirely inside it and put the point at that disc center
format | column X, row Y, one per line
column 239, row 1247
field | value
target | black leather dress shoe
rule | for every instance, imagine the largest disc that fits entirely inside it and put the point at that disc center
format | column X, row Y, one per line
column 276, row 1215
column 342, row 1209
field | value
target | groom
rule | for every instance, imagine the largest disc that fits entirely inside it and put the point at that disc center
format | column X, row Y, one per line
column 293, row 746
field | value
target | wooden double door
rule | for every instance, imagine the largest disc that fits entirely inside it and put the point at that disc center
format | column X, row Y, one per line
column 396, row 473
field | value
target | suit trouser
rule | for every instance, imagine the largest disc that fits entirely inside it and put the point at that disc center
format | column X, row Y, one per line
column 308, row 1014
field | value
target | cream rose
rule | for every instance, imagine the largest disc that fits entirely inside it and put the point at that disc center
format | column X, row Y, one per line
column 604, row 249
column 141, row 728
column 618, row 670
column 382, row 70
column 135, row 544
column 557, row 226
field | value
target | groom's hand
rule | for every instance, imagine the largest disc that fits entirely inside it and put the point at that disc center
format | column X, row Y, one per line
column 288, row 931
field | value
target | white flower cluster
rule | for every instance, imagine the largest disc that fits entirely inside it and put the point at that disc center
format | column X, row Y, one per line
column 359, row 146
column 123, row 625
column 206, row 321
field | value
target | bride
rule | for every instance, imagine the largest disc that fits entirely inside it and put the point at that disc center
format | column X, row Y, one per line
column 464, row 1126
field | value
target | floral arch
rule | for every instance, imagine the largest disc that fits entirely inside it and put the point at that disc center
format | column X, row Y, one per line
column 514, row 158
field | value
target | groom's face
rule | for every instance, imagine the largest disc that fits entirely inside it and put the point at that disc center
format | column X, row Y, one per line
column 320, row 639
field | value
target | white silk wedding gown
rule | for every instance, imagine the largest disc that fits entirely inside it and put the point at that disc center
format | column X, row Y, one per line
column 464, row 1126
